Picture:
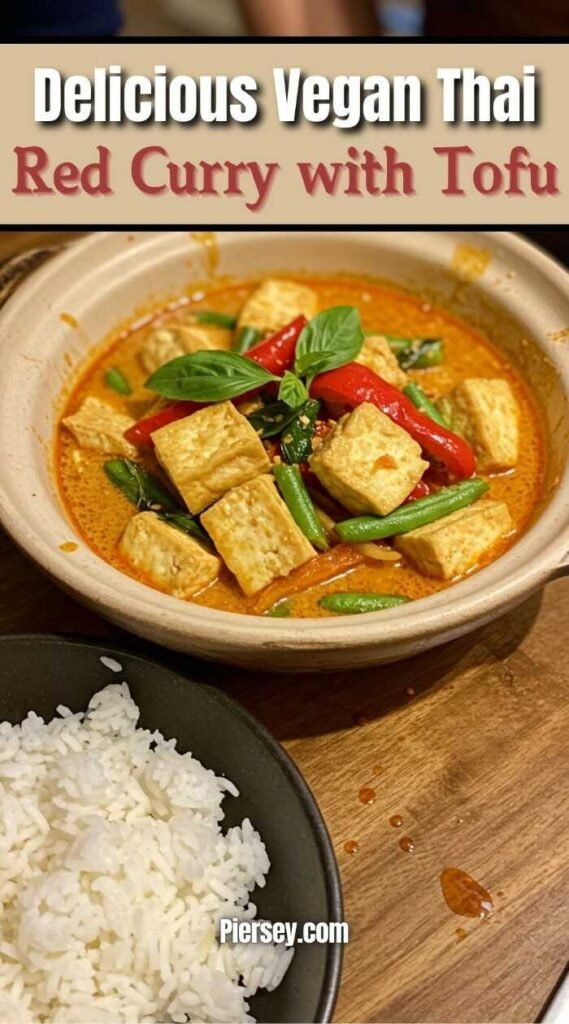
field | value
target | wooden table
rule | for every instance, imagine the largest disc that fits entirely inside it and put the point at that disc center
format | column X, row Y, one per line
column 470, row 746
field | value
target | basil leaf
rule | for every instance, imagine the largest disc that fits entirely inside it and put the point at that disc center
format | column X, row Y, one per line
column 206, row 316
column 272, row 419
column 146, row 492
column 186, row 524
column 139, row 486
column 296, row 441
column 208, row 376
column 332, row 338
column 292, row 391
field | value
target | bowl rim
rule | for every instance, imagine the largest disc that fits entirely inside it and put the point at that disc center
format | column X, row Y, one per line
column 513, row 574
column 318, row 827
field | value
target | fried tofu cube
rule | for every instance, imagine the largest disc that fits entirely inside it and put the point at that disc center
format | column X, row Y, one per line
column 485, row 412
column 451, row 546
column 209, row 335
column 367, row 462
column 168, row 558
column 209, row 452
column 377, row 355
column 166, row 343
column 98, row 426
column 256, row 535
column 275, row 303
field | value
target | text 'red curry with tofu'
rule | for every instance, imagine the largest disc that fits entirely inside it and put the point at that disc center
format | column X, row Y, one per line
column 300, row 447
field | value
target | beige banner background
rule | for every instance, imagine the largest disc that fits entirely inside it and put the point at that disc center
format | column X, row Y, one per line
column 268, row 140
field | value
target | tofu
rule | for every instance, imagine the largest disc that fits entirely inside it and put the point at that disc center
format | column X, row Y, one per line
column 367, row 462
column 167, row 557
column 485, row 412
column 275, row 303
column 256, row 535
column 451, row 546
column 166, row 343
column 376, row 354
column 98, row 426
column 209, row 452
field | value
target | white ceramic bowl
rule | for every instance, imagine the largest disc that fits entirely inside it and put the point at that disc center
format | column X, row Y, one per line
column 522, row 300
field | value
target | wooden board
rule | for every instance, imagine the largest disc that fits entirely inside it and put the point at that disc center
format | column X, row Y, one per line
column 475, row 761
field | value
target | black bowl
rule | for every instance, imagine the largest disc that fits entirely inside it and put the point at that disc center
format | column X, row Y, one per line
column 40, row 672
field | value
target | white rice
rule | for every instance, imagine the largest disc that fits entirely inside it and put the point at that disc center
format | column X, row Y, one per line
column 114, row 872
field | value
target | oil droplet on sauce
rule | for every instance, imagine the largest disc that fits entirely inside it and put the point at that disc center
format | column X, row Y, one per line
column 407, row 844
column 69, row 319
column 366, row 795
column 351, row 846
column 464, row 895
column 69, row 546
column 396, row 821
column 461, row 934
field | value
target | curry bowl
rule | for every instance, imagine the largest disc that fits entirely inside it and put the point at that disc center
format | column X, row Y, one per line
column 41, row 673
column 498, row 283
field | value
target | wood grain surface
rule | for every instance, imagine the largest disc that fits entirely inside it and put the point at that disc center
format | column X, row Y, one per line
column 470, row 745
column 475, row 760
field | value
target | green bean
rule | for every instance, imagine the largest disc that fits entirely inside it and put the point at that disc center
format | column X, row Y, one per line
column 206, row 316
column 246, row 338
column 115, row 379
column 296, row 440
column 417, row 353
column 280, row 610
column 300, row 505
column 415, row 514
column 354, row 604
column 423, row 403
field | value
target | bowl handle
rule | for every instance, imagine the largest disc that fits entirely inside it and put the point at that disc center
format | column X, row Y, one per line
column 15, row 269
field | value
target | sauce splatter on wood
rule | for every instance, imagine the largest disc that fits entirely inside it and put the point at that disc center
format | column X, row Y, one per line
column 351, row 846
column 464, row 895
column 407, row 844
column 366, row 795
column 396, row 821
column 461, row 934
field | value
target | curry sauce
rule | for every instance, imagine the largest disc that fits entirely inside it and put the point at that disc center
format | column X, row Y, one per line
column 100, row 512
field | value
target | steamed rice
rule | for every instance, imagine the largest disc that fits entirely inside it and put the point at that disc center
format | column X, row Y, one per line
column 114, row 872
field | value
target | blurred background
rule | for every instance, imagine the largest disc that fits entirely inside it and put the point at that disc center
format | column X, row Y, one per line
column 271, row 17
column 343, row 18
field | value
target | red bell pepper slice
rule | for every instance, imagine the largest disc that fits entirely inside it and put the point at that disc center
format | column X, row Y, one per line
column 421, row 490
column 141, row 432
column 354, row 383
column 276, row 354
